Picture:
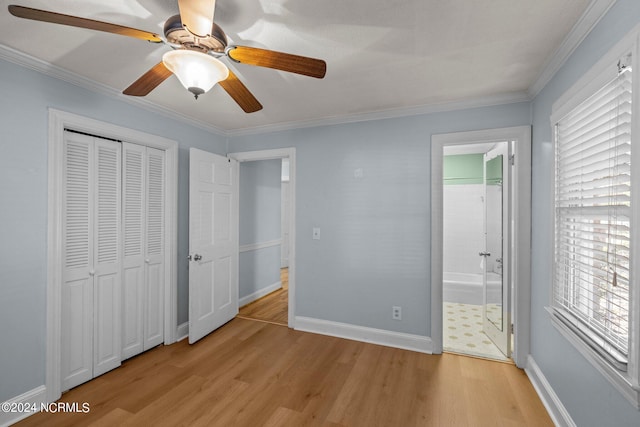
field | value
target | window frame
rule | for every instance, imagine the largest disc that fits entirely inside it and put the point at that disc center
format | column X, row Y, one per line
column 628, row 383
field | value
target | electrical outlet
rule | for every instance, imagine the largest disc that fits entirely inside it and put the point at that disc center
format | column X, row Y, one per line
column 316, row 233
column 396, row 312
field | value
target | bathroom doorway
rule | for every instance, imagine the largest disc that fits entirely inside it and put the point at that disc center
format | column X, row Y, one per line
column 480, row 254
column 475, row 194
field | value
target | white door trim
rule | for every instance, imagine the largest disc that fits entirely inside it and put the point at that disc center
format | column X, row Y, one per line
column 282, row 153
column 521, row 256
column 58, row 122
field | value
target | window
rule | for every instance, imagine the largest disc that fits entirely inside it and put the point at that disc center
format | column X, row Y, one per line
column 592, row 222
column 594, row 198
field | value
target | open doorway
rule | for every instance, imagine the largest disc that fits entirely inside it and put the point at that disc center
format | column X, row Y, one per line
column 267, row 228
column 506, row 319
column 263, row 284
column 476, row 254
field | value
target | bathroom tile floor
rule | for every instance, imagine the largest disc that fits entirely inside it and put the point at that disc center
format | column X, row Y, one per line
column 462, row 332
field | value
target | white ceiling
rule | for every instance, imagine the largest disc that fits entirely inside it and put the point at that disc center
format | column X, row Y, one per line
column 382, row 56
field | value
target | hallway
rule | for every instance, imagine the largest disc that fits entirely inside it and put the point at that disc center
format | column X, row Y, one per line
column 272, row 308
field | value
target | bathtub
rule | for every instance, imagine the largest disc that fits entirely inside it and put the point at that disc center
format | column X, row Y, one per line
column 466, row 288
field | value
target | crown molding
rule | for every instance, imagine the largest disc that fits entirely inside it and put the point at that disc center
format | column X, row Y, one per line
column 485, row 101
column 24, row 60
column 589, row 19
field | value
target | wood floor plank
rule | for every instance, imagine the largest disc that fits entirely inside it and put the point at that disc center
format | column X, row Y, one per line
column 284, row 417
column 114, row 417
column 347, row 408
column 252, row 373
column 273, row 307
column 173, row 401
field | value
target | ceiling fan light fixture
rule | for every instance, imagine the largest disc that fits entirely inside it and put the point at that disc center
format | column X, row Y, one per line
column 197, row 71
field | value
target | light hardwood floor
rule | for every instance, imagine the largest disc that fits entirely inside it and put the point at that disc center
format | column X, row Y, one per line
column 273, row 307
column 251, row 373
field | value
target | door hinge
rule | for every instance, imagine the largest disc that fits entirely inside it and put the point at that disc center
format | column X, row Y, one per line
column 511, row 329
column 513, row 159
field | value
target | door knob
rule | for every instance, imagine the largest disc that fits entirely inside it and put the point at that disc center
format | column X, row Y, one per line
column 484, row 254
column 197, row 257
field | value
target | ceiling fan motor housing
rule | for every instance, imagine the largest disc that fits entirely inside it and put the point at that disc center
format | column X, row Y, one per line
column 175, row 33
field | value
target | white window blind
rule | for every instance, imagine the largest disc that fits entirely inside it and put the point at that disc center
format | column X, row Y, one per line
column 592, row 218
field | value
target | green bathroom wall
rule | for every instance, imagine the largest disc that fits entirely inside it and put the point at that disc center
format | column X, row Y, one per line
column 463, row 169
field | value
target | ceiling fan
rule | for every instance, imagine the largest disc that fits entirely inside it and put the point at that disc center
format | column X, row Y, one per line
column 197, row 44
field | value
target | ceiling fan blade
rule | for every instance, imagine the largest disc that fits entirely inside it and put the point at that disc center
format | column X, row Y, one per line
column 74, row 21
column 239, row 92
column 197, row 16
column 280, row 61
column 149, row 81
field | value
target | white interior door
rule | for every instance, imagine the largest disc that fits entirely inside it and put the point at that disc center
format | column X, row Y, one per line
column 76, row 338
column 107, row 340
column 133, row 277
column 90, row 303
column 154, row 248
column 496, row 275
column 213, row 242
column 144, row 243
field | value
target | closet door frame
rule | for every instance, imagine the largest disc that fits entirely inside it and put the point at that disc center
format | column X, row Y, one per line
column 58, row 122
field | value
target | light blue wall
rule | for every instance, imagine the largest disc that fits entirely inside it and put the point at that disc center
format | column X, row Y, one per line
column 588, row 397
column 260, row 217
column 260, row 201
column 259, row 269
column 25, row 96
column 374, row 247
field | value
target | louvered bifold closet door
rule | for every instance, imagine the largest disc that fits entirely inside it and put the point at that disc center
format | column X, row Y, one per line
column 133, row 273
column 154, row 248
column 90, row 321
column 107, row 265
column 143, row 272
column 76, row 346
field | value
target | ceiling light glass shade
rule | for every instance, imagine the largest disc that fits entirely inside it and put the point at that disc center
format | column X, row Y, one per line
column 197, row 71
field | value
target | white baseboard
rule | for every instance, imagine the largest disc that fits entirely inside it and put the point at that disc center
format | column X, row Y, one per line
column 183, row 331
column 360, row 333
column 37, row 397
column 550, row 399
column 259, row 294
